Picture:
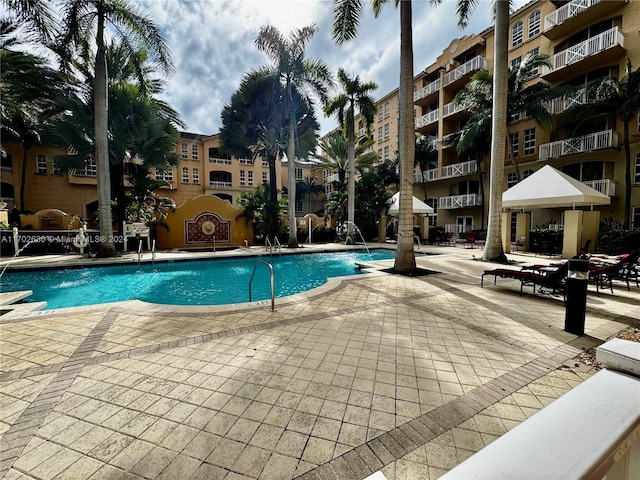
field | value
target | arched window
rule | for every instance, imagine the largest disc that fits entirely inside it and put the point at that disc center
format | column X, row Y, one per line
column 185, row 175
column 194, row 151
column 636, row 176
column 516, row 34
column 534, row 24
column 183, row 150
column 195, row 176
column 512, row 179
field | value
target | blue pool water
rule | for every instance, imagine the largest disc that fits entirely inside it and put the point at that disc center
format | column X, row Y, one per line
column 197, row 282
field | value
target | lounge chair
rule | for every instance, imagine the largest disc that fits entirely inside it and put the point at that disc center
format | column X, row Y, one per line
column 554, row 280
column 624, row 269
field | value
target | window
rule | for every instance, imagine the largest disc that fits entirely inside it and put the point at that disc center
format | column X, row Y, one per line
column 386, row 109
column 512, row 179
column 386, row 131
column 250, row 178
column 433, row 203
column 265, row 163
column 194, row 152
column 184, row 150
column 243, row 178
column 379, row 134
column 534, row 71
column 527, row 173
column 168, row 176
column 514, row 139
column 265, row 178
column 529, row 142
column 195, row 176
column 516, row 34
column 380, row 113
column 380, row 152
column 298, row 174
column 298, row 205
column 41, row 165
column 636, row 177
column 90, row 169
column 185, row 175
column 635, row 218
column 386, row 152
column 534, row 24
column 515, row 63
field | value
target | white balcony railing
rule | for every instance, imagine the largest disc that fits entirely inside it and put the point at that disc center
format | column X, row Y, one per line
column 566, row 12
column 451, row 108
column 589, row 47
column 460, row 169
column 461, row 201
column 427, row 118
column 223, row 161
column 560, row 104
column 220, row 184
column 84, row 172
column 604, row 185
column 585, row 143
column 472, row 65
column 426, row 176
column 426, row 90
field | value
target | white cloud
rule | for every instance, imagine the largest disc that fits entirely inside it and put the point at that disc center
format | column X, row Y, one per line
column 212, row 42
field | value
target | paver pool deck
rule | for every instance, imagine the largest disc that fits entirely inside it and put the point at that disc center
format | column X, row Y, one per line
column 378, row 372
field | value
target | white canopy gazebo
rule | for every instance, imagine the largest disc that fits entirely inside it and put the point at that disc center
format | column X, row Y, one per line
column 419, row 207
column 551, row 188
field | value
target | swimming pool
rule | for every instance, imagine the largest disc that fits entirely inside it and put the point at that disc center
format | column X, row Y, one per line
column 193, row 282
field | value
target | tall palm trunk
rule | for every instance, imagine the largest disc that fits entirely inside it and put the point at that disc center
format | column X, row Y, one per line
column 405, row 261
column 351, row 187
column 291, row 169
column 101, row 127
column 23, row 176
column 493, row 247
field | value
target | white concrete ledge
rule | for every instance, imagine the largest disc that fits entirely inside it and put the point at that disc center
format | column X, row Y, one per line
column 621, row 355
column 579, row 436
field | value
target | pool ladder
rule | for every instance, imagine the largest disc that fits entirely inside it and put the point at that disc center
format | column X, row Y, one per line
column 273, row 298
column 269, row 247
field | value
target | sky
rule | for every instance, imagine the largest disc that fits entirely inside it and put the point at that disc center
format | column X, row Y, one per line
column 212, row 43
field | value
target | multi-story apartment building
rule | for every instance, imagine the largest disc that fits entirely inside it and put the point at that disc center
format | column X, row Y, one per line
column 586, row 40
column 203, row 170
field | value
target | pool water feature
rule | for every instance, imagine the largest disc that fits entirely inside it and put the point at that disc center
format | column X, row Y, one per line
column 193, row 282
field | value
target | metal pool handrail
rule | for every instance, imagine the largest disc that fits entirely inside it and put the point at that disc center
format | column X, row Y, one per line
column 273, row 298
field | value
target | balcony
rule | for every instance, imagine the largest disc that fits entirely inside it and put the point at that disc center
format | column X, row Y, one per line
column 427, row 119
column 451, row 108
column 461, row 201
column 460, row 169
column 461, row 72
column 604, row 185
column 362, row 133
column 220, row 184
column 583, row 144
column 427, row 176
column 420, row 95
column 560, row 104
column 570, row 16
column 221, row 161
column 584, row 56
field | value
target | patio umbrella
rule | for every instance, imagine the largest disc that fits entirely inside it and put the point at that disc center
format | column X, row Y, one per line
column 550, row 188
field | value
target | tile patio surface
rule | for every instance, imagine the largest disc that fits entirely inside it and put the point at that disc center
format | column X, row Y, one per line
column 409, row 376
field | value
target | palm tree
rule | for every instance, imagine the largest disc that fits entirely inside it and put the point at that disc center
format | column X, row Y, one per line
column 255, row 124
column 355, row 94
column 334, row 156
column 426, row 156
column 307, row 76
column 614, row 99
column 35, row 15
column 84, row 27
column 309, row 186
column 494, row 249
column 523, row 99
column 346, row 17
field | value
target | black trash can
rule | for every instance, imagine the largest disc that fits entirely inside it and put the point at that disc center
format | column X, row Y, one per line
column 576, row 301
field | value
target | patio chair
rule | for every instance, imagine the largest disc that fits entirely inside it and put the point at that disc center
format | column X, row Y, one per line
column 518, row 244
column 470, row 239
column 624, row 270
column 554, row 280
